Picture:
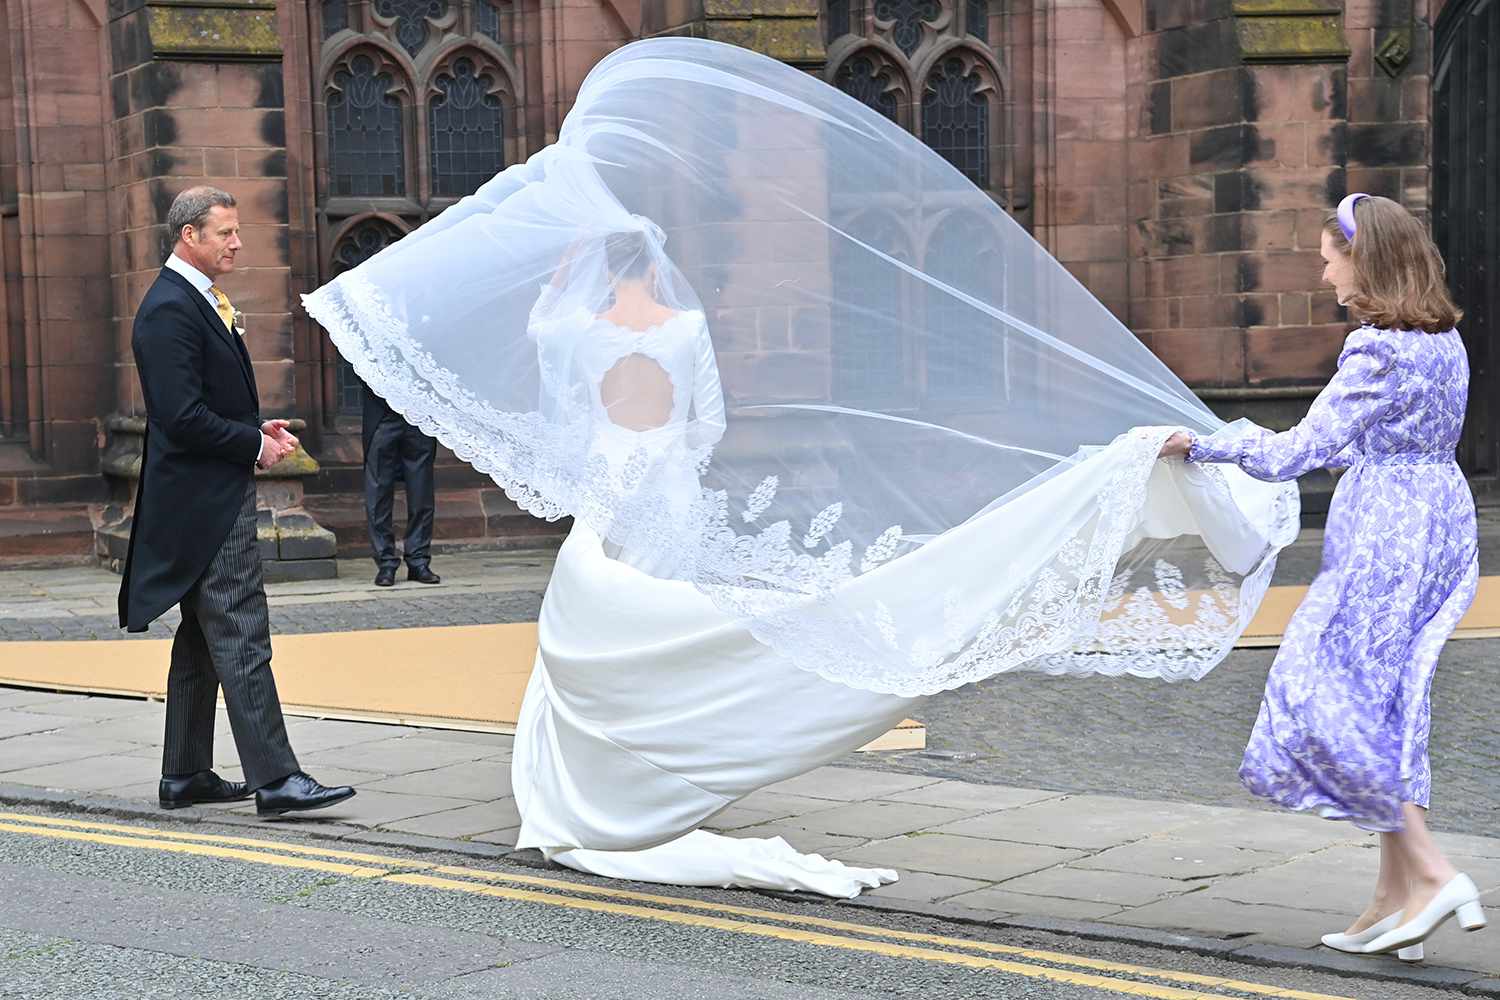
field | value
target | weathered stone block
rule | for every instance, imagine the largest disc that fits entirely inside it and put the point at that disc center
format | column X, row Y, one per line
column 284, row 571
column 265, row 534
column 298, row 536
column 1299, row 37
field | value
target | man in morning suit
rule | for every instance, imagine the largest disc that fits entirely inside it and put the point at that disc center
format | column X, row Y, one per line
column 193, row 539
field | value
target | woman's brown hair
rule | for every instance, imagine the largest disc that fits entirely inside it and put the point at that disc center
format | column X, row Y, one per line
column 1402, row 281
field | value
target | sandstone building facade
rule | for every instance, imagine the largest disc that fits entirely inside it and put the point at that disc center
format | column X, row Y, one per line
column 1177, row 155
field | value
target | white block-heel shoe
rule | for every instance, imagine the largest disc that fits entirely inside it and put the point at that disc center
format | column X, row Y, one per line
column 1459, row 898
column 1354, row 944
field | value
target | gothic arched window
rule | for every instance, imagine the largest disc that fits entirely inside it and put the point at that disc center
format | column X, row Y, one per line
column 465, row 126
column 956, row 119
column 905, row 18
column 861, row 80
column 932, row 67
column 358, row 245
column 487, row 19
column 406, row 136
column 977, row 19
column 411, row 17
column 335, row 17
column 836, row 23
column 365, row 142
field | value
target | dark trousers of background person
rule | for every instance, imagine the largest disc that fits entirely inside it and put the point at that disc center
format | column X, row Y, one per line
column 395, row 450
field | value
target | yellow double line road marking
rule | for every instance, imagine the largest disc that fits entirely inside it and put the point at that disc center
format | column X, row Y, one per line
column 1100, row 974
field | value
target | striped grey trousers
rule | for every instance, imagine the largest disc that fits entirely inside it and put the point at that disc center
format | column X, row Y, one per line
column 225, row 640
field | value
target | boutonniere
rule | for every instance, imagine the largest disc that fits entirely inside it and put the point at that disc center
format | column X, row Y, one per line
column 239, row 322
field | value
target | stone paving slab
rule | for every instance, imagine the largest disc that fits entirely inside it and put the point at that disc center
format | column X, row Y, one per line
column 463, row 822
column 1280, row 832
column 1202, row 913
column 970, row 797
column 141, row 729
column 1119, row 888
column 330, row 776
column 927, row 887
column 505, row 838
column 400, row 755
column 53, row 748
column 846, row 786
column 1004, row 901
column 806, row 841
column 880, row 819
column 90, row 774
column 17, row 722
column 478, row 780
column 373, row 809
column 1084, row 822
column 966, row 857
column 737, row 817
column 101, row 708
column 781, row 805
column 1170, row 857
column 764, row 807
column 20, row 697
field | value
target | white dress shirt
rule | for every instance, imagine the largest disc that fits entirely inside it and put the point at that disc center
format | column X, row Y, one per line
column 195, row 277
column 203, row 283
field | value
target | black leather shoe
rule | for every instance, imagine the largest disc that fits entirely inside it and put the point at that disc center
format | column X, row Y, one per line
column 386, row 577
column 422, row 574
column 178, row 791
column 297, row 792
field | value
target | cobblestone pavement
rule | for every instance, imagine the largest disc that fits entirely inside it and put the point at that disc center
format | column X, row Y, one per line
column 478, row 588
column 1148, row 739
column 483, row 608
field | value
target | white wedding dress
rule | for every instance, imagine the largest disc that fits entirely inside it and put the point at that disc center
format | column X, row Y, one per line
column 650, row 710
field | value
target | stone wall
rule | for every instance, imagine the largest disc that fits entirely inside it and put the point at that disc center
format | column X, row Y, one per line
column 185, row 116
column 1176, row 155
column 55, row 250
column 1080, row 191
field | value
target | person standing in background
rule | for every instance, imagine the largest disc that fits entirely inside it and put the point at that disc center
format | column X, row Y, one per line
column 394, row 448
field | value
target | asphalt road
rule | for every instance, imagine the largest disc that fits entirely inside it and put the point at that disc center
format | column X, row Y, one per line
column 93, row 908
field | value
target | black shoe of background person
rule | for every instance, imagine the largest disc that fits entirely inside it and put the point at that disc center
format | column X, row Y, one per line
column 297, row 792
column 422, row 574
column 177, row 791
column 386, row 577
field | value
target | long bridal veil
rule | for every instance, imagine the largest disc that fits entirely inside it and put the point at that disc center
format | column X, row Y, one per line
column 928, row 455
column 898, row 357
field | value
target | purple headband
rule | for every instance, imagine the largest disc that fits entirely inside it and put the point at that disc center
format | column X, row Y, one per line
column 1346, row 214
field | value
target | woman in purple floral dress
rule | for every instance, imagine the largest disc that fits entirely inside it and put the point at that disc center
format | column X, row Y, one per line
column 1344, row 723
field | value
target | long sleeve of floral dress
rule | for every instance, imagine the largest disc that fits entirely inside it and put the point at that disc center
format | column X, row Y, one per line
column 1358, row 395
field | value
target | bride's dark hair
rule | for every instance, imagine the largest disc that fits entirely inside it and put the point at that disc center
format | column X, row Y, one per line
column 628, row 256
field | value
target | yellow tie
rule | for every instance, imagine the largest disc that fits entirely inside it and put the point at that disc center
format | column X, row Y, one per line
column 226, row 311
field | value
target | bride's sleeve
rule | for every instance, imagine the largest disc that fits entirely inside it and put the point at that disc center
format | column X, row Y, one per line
column 708, row 395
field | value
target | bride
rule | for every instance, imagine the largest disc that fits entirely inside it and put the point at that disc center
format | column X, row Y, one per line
column 856, row 440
